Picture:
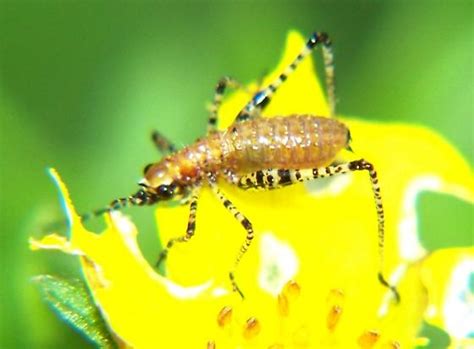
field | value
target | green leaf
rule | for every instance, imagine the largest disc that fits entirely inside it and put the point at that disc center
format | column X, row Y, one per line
column 72, row 302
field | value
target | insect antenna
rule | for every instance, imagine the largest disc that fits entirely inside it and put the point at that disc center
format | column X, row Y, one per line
column 141, row 197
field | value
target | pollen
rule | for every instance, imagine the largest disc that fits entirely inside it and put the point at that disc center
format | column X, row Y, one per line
column 335, row 300
column 225, row 316
column 252, row 328
column 290, row 292
column 395, row 345
column 368, row 339
column 292, row 289
column 333, row 317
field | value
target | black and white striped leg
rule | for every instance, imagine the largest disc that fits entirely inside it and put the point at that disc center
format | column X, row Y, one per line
column 161, row 143
column 262, row 98
column 328, row 58
column 247, row 226
column 221, row 87
column 189, row 230
column 140, row 198
column 277, row 178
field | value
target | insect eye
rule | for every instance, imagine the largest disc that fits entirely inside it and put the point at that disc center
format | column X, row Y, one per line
column 165, row 191
column 146, row 168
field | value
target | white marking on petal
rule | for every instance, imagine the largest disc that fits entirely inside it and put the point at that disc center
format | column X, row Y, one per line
column 127, row 230
column 431, row 311
column 219, row 292
column 123, row 223
column 458, row 308
column 408, row 239
column 329, row 186
column 410, row 245
column 279, row 264
column 185, row 292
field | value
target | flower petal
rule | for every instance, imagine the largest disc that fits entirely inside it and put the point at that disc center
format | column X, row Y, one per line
column 325, row 237
column 332, row 230
column 448, row 277
column 134, row 300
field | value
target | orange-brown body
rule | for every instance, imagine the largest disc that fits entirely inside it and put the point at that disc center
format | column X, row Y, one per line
column 291, row 142
column 296, row 141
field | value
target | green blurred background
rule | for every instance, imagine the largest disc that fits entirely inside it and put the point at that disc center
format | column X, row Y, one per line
column 83, row 83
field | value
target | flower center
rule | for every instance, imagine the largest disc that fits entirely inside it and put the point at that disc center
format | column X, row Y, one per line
column 295, row 328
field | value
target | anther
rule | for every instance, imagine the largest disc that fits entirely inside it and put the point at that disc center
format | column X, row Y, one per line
column 252, row 328
column 292, row 289
column 211, row 345
column 283, row 305
column 395, row 345
column 333, row 317
column 368, row 339
column 225, row 316
column 335, row 300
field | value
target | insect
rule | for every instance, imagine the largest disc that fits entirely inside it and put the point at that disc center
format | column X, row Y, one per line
column 253, row 153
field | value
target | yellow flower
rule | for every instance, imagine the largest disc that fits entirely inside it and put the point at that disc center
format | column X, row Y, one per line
column 310, row 275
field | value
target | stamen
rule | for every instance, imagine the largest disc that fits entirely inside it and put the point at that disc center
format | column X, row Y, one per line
column 335, row 300
column 211, row 345
column 368, row 339
column 333, row 317
column 290, row 292
column 225, row 316
column 292, row 289
column 283, row 305
column 394, row 345
column 252, row 328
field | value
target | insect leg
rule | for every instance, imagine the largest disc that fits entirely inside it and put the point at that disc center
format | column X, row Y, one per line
column 189, row 230
column 163, row 145
column 277, row 178
column 247, row 226
column 221, row 86
column 262, row 98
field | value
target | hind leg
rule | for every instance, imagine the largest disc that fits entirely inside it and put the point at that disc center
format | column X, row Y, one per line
column 277, row 178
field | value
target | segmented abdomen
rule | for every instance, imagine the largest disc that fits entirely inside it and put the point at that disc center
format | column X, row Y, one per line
column 296, row 141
